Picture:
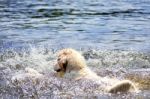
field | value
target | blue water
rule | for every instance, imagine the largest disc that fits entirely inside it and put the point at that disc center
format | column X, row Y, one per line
column 114, row 24
column 112, row 35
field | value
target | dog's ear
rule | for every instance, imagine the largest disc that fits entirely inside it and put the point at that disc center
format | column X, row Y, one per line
column 65, row 64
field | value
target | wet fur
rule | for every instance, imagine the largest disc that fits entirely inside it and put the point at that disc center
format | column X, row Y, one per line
column 71, row 64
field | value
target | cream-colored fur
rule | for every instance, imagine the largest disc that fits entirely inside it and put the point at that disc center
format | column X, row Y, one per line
column 71, row 64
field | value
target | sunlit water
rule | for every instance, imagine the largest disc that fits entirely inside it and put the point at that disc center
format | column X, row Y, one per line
column 112, row 35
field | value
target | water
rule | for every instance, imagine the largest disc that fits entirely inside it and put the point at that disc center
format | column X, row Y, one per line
column 117, row 24
column 110, row 34
column 119, row 64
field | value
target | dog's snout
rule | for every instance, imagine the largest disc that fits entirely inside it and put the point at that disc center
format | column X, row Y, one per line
column 57, row 68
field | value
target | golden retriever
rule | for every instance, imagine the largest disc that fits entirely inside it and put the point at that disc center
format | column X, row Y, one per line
column 71, row 64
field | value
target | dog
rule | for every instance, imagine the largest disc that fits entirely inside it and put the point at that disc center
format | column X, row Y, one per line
column 72, row 65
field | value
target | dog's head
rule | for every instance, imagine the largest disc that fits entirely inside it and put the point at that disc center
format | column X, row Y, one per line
column 69, row 60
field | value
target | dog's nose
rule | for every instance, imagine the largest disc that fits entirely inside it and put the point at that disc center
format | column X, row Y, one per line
column 58, row 70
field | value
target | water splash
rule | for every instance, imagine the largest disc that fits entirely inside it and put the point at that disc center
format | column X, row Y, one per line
column 41, row 59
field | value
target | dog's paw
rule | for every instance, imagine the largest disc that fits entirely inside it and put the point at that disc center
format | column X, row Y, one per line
column 123, row 86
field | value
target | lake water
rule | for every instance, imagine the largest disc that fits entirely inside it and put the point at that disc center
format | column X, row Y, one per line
column 115, row 24
column 110, row 34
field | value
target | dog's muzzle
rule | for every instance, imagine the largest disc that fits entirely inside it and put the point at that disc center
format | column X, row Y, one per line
column 57, row 68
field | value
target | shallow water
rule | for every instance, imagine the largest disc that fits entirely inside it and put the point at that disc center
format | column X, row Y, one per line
column 113, row 36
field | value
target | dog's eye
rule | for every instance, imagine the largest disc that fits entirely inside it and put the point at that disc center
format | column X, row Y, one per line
column 58, row 59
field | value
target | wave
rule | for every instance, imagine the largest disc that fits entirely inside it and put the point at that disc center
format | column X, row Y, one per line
column 43, row 56
column 41, row 59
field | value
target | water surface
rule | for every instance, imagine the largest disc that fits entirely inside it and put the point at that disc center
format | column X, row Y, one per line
column 117, row 24
column 113, row 36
